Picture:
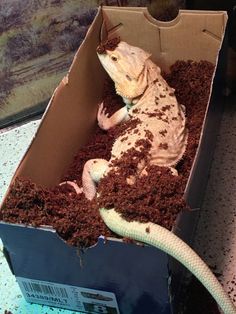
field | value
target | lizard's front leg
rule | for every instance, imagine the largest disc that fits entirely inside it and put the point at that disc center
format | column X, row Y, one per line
column 106, row 122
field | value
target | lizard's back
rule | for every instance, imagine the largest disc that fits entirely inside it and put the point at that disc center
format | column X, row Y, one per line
column 161, row 120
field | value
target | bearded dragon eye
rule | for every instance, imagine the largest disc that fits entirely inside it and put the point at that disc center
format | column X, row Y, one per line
column 113, row 58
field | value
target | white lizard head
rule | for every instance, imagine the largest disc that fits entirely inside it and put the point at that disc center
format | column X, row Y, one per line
column 126, row 66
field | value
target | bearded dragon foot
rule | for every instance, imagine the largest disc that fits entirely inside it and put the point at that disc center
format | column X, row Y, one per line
column 105, row 122
column 102, row 117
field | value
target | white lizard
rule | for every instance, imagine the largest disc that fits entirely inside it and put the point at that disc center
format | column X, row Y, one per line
column 150, row 101
column 138, row 80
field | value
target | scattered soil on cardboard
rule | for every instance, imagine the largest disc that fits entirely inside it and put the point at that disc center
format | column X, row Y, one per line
column 157, row 197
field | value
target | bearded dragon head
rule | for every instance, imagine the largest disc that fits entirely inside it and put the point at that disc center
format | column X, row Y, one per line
column 125, row 64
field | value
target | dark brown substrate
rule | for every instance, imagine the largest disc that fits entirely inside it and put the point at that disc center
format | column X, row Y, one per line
column 157, row 197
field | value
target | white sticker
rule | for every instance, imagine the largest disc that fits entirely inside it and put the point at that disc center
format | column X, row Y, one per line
column 69, row 297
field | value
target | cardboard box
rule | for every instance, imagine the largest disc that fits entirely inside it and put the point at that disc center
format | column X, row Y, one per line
column 111, row 276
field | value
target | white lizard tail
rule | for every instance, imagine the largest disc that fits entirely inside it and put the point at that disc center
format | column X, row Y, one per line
column 168, row 242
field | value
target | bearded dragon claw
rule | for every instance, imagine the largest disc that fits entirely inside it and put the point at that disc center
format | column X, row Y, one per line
column 102, row 117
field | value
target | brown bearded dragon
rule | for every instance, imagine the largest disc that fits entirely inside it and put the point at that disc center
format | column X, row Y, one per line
column 150, row 101
column 161, row 119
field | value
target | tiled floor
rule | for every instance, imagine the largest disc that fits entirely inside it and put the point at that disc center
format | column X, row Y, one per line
column 216, row 233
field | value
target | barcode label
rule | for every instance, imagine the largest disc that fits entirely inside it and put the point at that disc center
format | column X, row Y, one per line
column 68, row 297
column 45, row 289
